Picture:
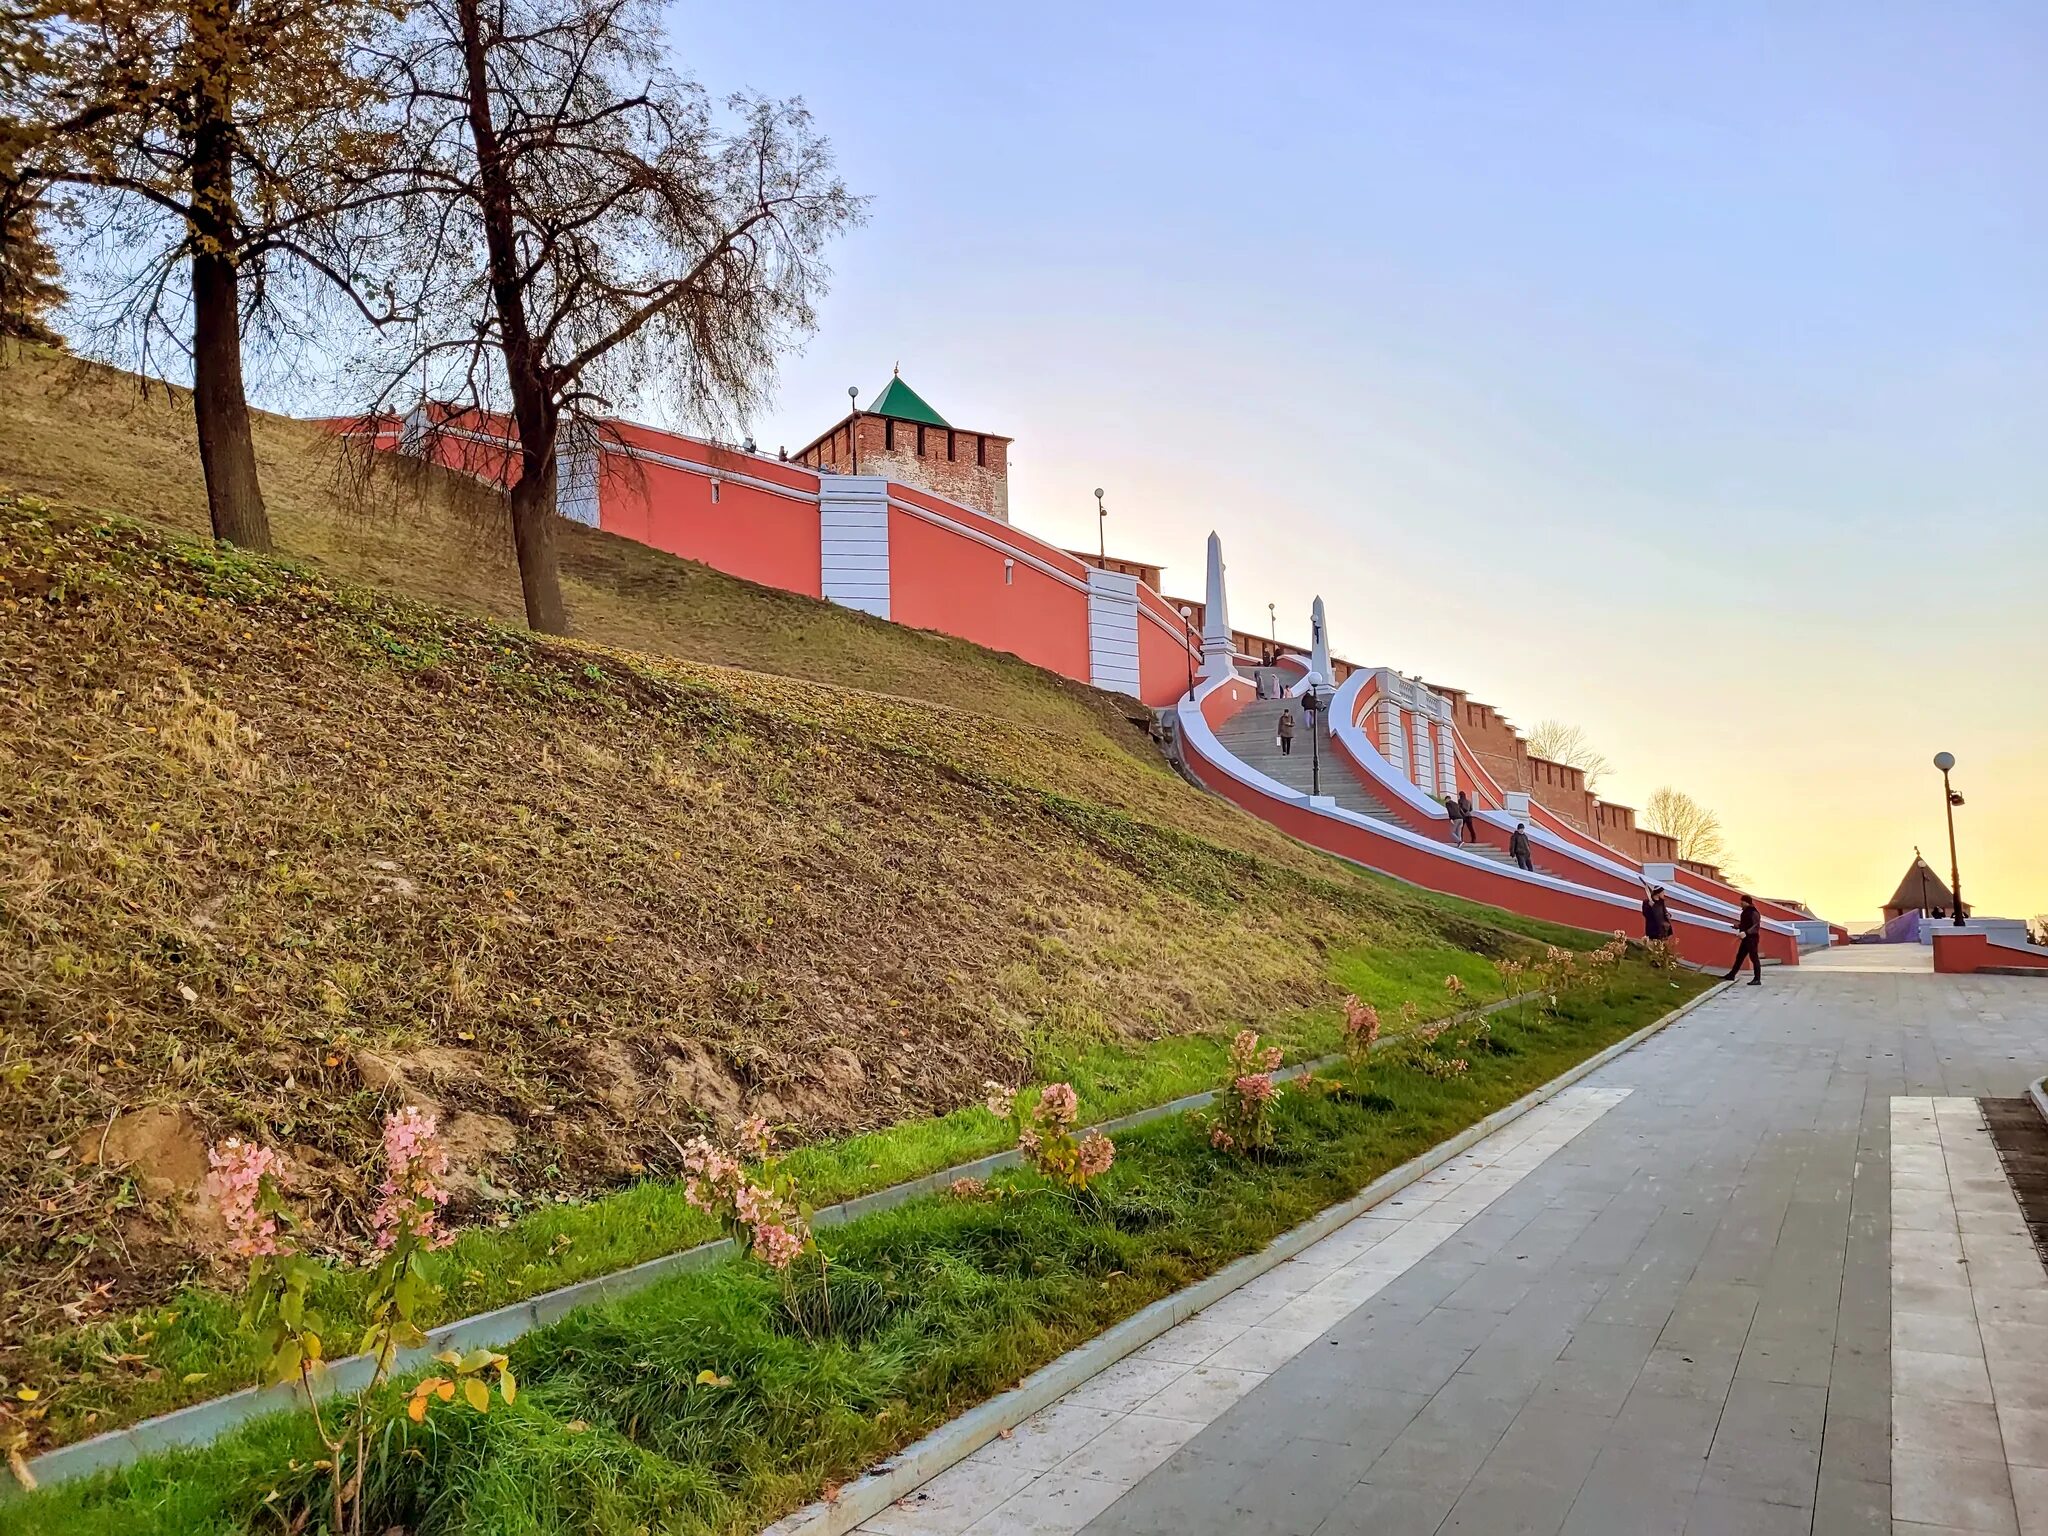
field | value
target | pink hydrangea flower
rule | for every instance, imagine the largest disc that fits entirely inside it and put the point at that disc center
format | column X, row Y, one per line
column 753, row 1132
column 415, row 1162
column 1093, row 1156
column 235, row 1180
column 775, row 1245
column 1059, row 1104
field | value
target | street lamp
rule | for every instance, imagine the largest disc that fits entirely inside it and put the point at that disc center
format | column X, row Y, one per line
column 1920, row 861
column 853, row 427
column 1949, row 801
column 1187, row 619
column 1101, row 528
column 1273, row 623
column 1311, row 705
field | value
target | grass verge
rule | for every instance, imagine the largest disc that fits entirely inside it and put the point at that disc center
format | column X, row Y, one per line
column 193, row 1348
column 937, row 1304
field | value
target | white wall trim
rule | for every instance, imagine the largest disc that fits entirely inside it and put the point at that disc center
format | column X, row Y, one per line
column 1113, row 631
column 853, row 542
column 576, row 487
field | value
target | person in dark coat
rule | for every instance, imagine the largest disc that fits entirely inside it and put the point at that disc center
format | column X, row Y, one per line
column 1749, row 923
column 1656, row 916
column 1518, row 847
column 1465, row 812
column 1286, row 732
column 1457, row 815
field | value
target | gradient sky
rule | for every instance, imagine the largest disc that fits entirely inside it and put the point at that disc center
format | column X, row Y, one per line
column 1678, row 370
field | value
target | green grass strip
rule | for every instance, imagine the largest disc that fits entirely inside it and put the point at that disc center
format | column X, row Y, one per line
column 194, row 1349
column 937, row 1305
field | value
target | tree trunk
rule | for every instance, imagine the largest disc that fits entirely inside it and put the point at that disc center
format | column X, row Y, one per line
column 533, row 536
column 220, row 409
column 535, row 411
column 220, row 406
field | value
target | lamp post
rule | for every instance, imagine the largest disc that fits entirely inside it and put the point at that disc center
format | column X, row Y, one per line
column 1101, row 528
column 1273, row 624
column 1187, row 620
column 1922, row 863
column 1949, row 801
column 853, row 426
column 1311, row 705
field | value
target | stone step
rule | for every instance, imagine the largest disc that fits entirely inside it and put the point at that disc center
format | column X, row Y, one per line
column 1248, row 735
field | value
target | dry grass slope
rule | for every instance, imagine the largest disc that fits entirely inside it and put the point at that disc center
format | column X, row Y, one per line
column 286, row 839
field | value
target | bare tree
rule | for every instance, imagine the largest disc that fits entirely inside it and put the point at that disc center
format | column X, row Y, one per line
column 1561, row 743
column 202, row 141
column 585, row 226
column 1695, row 829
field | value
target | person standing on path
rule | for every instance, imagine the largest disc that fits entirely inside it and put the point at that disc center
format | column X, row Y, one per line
column 1749, row 923
column 1518, row 848
column 1465, row 814
column 1285, row 731
column 1457, row 816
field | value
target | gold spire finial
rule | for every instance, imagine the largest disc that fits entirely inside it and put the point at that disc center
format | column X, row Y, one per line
column 897, row 371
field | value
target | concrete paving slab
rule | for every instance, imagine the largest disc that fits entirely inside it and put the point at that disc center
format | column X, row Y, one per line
column 1676, row 1308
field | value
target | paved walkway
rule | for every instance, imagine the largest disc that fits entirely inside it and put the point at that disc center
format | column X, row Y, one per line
column 1669, row 1308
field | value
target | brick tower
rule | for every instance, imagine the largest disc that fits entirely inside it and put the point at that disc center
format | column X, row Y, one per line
column 898, row 435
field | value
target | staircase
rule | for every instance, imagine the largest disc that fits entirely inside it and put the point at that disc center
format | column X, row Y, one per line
column 1248, row 736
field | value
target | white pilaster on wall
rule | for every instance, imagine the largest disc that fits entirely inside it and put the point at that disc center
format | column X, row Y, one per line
column 1113, row 631
column 1425, row 749
column 1446, row 743
column 1393, row 691
column 853, row 542
column 576, row 483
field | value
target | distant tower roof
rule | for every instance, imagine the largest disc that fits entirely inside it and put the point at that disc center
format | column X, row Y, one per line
column 899, row 400
column 1920, row 885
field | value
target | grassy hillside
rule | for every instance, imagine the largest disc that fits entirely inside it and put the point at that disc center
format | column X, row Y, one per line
column 286, row 841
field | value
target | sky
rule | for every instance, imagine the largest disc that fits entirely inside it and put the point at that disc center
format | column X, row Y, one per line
column 1679, row 371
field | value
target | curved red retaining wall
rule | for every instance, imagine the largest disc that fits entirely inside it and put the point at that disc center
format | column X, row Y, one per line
column 1419, row 866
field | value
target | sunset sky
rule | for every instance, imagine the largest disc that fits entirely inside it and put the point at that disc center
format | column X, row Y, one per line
column 1678, row 371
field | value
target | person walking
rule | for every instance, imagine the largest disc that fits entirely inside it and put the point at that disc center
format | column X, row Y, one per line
column 1285, row 735
column 1457, row 814
column 1465, row 813
column 1518, row 848
column 1749, row 923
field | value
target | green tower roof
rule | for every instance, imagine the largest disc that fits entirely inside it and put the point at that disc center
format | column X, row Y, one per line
column 905, row 404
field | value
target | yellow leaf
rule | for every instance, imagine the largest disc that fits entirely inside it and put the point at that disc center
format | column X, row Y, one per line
column 191, row 1376
column 478, row 1394
column 416, row 1410
column 445, row 1391
column 28, row 1394
column 507, row 1385
column 575, row 1426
